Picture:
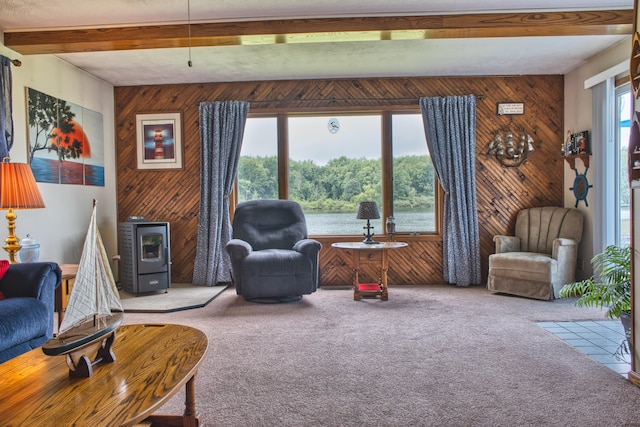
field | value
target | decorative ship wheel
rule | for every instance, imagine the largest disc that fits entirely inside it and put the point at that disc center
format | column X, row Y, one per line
column 581, row 187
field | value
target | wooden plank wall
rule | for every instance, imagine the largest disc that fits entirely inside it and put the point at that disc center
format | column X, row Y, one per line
column 173, row 195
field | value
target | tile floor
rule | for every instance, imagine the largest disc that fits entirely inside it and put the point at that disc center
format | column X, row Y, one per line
column 599, row 339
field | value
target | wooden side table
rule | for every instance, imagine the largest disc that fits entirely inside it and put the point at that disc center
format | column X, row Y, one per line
column 64, row 290
column 368, row 253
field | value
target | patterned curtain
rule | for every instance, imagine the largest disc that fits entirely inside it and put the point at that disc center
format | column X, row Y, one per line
column 450, row 128
column 221, row 130
column 6, row 116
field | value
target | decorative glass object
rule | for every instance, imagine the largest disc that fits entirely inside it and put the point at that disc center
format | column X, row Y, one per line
column 391, row 227
column 30, row 251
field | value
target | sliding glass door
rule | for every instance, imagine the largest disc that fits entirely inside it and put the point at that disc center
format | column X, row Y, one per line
column 622, row 127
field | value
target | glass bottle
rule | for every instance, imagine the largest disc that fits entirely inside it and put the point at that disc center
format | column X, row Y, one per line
column 391, row 227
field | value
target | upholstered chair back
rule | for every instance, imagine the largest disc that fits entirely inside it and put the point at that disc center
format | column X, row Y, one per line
column 538, row 227
column 269, row 224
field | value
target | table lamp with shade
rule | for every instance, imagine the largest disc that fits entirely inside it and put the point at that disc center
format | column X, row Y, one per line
column 368, row 210
column 18, row 190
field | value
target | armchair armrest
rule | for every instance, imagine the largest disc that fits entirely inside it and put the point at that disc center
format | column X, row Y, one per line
column 238, row 249
column 564, row 249
column 308, row 247
column 506, row 243
column 31, row 280
column 37, row 280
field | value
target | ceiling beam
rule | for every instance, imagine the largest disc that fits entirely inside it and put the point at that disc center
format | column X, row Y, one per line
column 539, row 24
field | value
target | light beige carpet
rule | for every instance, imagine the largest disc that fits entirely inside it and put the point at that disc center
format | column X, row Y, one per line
column 180, row 296
column 431, row 356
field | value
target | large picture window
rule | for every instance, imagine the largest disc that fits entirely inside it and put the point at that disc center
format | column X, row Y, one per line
column 334, row 164
column 258, row 166
column 414, row 186
column 334, row 161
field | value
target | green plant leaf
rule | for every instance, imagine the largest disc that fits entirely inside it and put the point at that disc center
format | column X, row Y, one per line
column 609, row 287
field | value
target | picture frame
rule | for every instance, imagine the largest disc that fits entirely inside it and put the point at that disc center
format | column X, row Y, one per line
column 581, row 142
column 159, row 140
column 577, row 143
column 65, row 141
column 510, row 108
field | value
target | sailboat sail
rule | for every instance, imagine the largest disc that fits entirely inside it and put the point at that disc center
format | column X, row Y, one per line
column 94, row 291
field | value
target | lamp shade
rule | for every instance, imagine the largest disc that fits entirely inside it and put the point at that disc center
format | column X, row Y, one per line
column 368, row 210
column 18, row 188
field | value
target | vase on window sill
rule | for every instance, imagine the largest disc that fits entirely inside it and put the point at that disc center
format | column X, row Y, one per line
column 391, row 227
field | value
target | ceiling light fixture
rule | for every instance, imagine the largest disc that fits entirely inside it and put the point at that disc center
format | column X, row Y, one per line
column 189, row 63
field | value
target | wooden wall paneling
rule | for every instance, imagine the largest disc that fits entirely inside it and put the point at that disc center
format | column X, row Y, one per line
column 173, row 195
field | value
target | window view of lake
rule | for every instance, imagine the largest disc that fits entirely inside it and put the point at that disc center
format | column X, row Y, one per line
column 335, row 162
column 346, row 223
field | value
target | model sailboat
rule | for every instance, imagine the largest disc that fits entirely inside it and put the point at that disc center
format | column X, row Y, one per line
column 93, row 313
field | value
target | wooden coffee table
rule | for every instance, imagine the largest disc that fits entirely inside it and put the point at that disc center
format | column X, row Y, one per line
column 153, row 362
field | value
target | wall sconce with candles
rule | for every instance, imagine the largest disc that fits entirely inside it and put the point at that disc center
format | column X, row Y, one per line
column 18, row 190
column 368, row 210
column 510, row 147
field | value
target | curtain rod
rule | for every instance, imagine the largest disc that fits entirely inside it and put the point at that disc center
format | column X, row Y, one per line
column 15, row 62
column 270, row 101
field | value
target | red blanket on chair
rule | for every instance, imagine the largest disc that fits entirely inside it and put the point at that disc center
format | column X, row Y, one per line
column 4, row 266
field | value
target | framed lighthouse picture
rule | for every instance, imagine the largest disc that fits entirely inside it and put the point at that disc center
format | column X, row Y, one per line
column 159, row 140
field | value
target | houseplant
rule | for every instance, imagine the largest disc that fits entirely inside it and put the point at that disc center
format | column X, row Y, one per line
column 609, row 287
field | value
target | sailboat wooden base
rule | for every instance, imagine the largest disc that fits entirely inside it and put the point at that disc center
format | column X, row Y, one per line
column 81, row 366
column 85, row 346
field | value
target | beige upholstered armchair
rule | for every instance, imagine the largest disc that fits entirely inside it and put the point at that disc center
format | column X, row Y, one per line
column 541, row 257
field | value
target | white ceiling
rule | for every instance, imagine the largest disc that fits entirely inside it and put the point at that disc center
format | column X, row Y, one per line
column 389, row 58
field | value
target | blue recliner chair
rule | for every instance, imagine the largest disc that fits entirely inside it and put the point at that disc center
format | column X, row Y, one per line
column 26, row 312
column 272, row 258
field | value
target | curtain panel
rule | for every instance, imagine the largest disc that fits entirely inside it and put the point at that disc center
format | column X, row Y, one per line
column 6, row 116
column 221, row 131
column 450, row 129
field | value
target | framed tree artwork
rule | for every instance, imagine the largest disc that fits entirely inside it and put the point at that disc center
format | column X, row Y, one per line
column 66, row 141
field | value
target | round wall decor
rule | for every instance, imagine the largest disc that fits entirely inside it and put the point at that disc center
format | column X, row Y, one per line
column 581, row 187
column 333, row 125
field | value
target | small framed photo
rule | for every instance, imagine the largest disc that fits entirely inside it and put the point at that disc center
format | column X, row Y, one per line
column 577, row 143
column 159, row 140
column 581, row 143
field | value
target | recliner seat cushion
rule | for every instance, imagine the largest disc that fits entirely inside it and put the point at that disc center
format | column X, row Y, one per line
column 276, row 262
column 523, row 265
column 275, row 273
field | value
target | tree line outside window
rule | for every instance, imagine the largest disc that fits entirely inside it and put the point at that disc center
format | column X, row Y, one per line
column 330, row 171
